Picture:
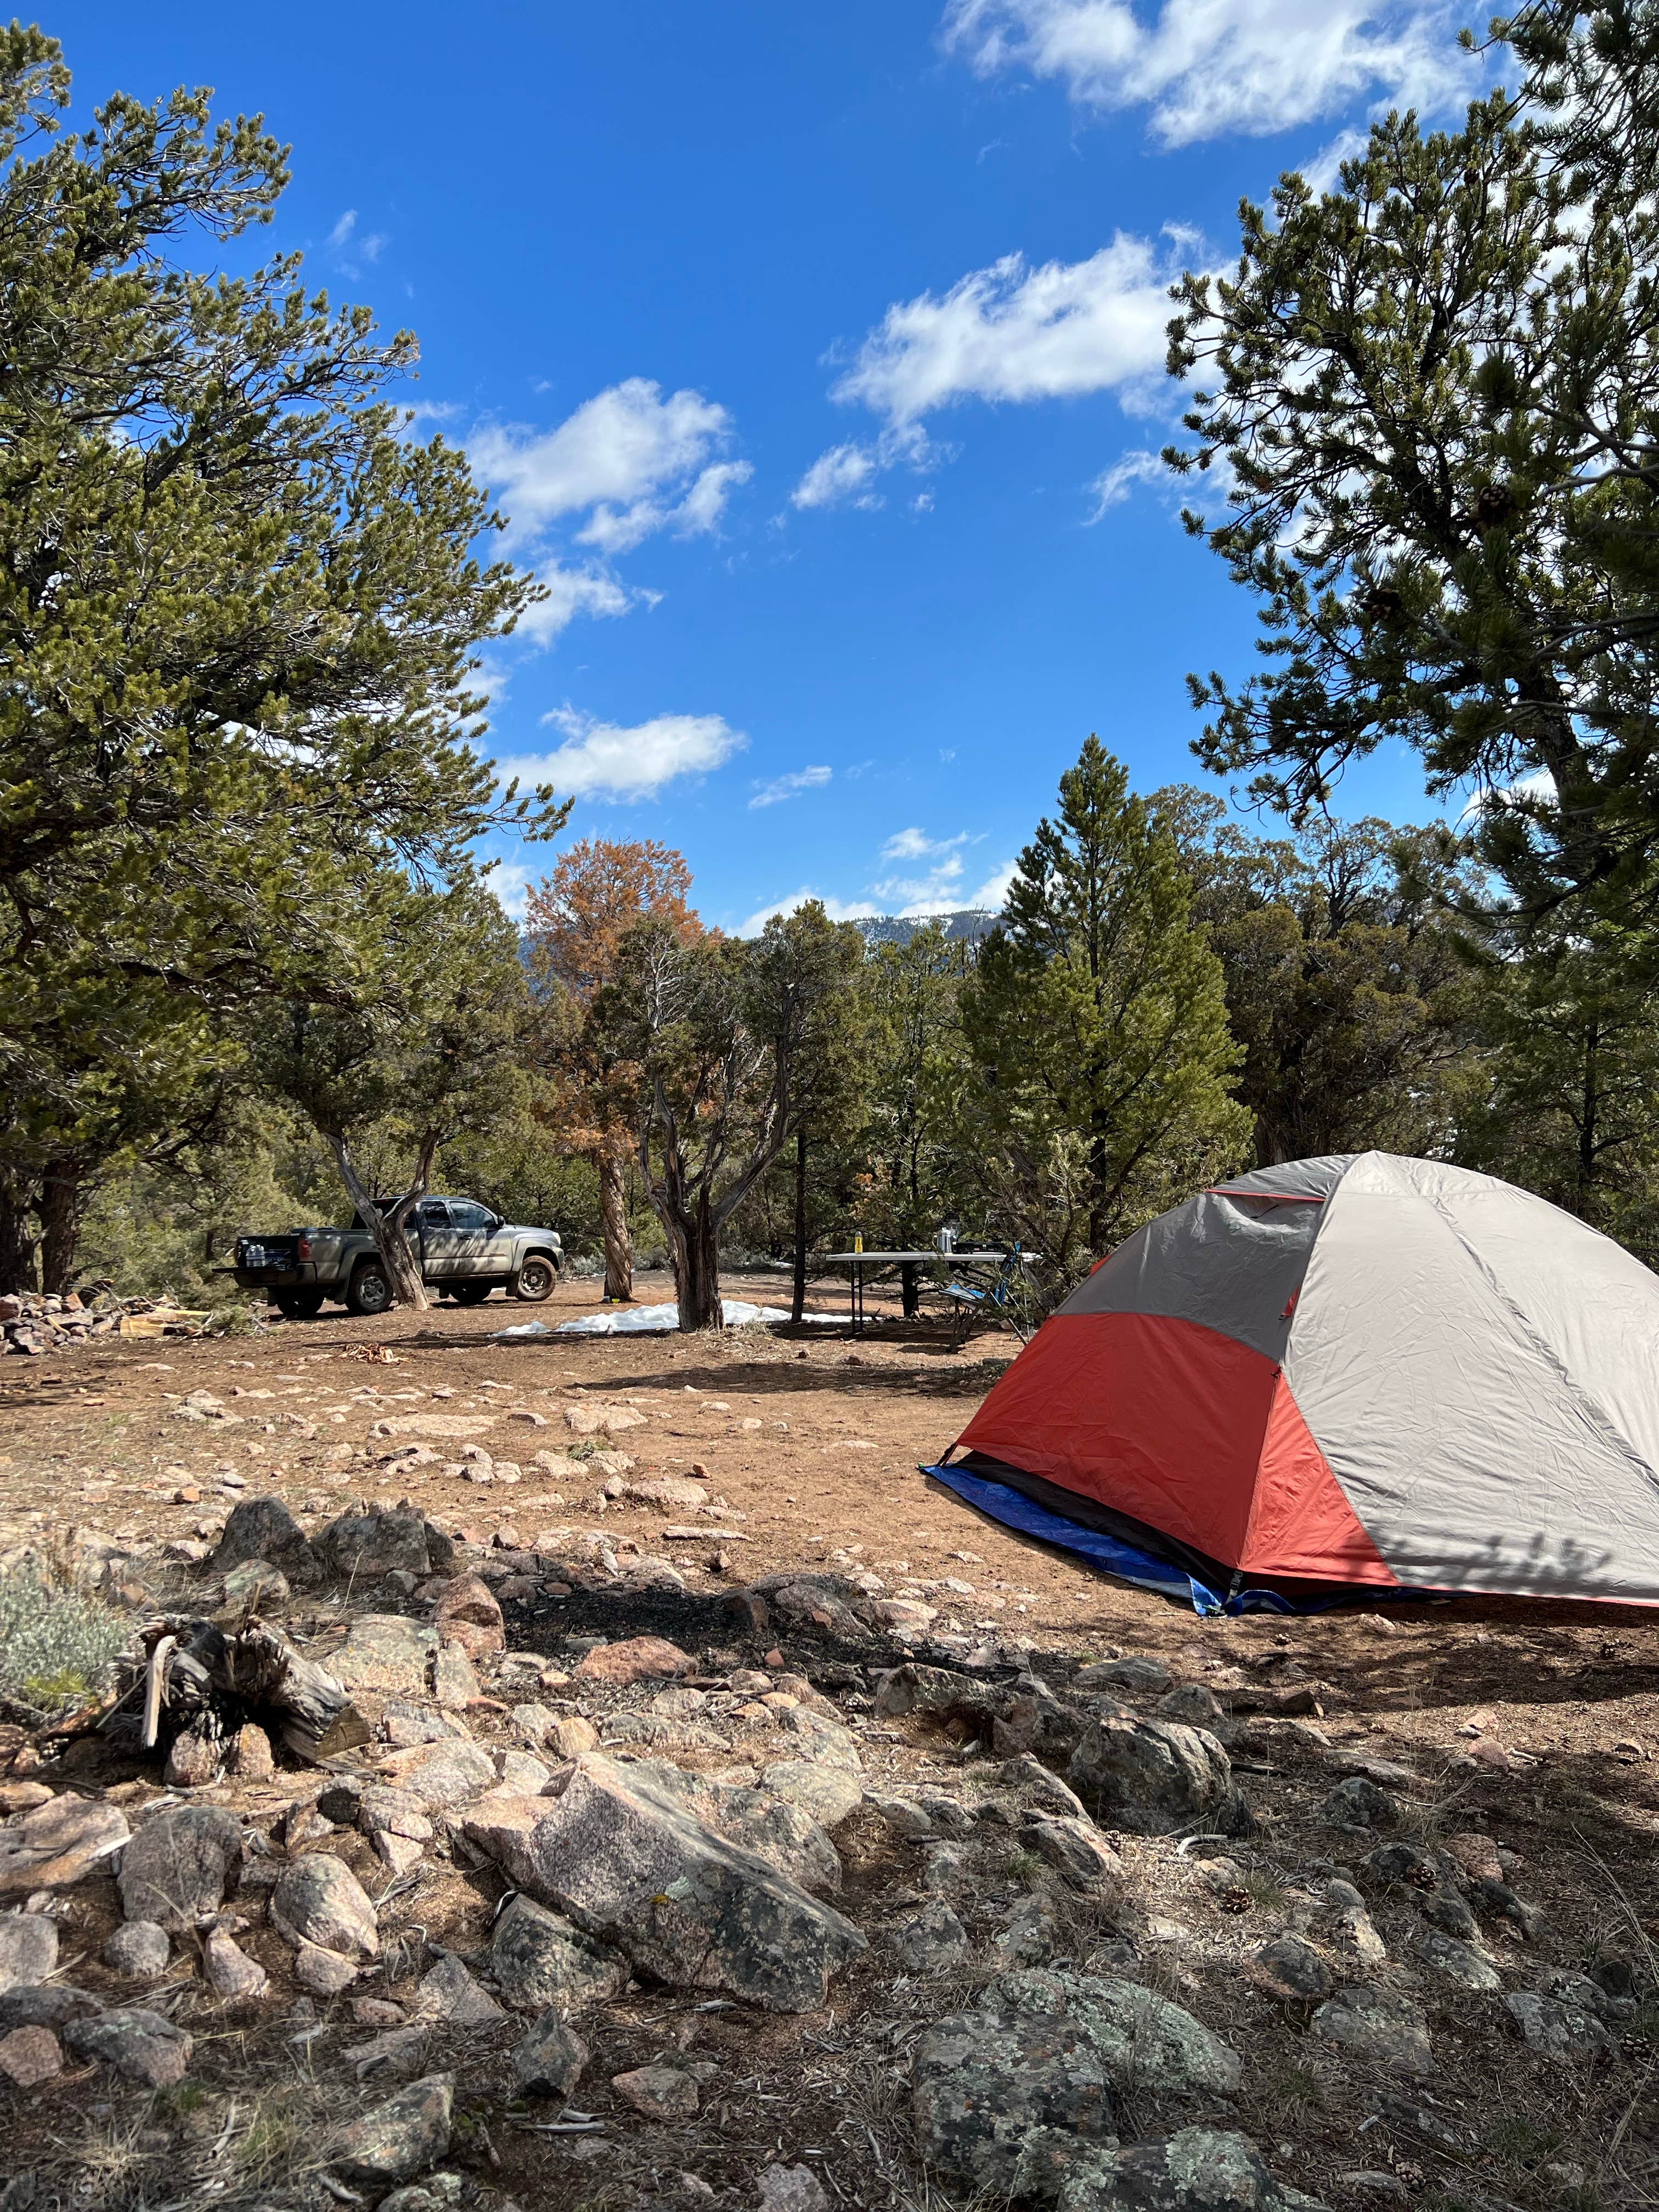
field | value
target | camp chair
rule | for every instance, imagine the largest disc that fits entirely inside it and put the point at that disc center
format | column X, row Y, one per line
column 1004, row 1295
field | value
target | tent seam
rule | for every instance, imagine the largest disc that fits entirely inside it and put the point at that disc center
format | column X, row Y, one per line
column 1595, row 1414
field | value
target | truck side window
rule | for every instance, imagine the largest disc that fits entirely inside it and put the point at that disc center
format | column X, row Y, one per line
column 434, row 1214
column 465, row 1214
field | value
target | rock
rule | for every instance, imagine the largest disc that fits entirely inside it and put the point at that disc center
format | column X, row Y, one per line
column 324, row 1972
column 402, row 2137
column 195, row 1758
column 397, row 1828
column 671, row 1491
column 30, row 2056
column 255, row 1585
column 902, row 1815
column 1132, row 1672
column 138, row 1951
column 907, row 1617
column 388, row 1653
column 145, row 2047
column 319, row 1900
column 1476, row 1854
column 449, row 1993
column 1291, row 1970
column 521, row 1770
column 622, row 1855
column 29, row 1949
column 252, row 1759
column 539, row 1959
column 1152, row 1776
column 467, row 1614
column 1557, row 2030
column 535, row 1723
column 640, row 1659
column 1450, row 1913
column 44, row 2008
column 593, row 1420
column 1357, row 1803
column 827, row 1795
column 263, row 1530
column 1076, row 1850
column 549, row 2062
column 1459, row 1962
column 573, row 1735
column 55, row 1845
column 1197, row 2170
column 658, row 2092
column 772, row 1828
column 1047, row 2050
column 1193, row 1702
column 441, row 1775
column 454, row 1679
column 231, row 1973
column 791, row 2189
column 399, row 2052
column 365, row 1547
column 179, row 1866
column 931, row 1940
column 1353, row 1930
column 1496, row 1900
column 1376, row 2025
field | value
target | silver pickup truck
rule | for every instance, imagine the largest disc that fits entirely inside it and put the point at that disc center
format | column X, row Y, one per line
column 465, row 1252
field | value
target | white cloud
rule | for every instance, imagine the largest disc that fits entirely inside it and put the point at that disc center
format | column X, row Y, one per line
column 790, row 786
column 916, row 845
column 846, row 474
column 842, row 474
column 510, row 881
column 837, row 909
column 1208, row 68
column 1016, row 332
column 1126, row 475
column 342, row 231
column 633, row 461
column 570, row 593
column 605, row 759
column 914, row 898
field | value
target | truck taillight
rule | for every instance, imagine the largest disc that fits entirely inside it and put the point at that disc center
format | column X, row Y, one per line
column 305, row 1247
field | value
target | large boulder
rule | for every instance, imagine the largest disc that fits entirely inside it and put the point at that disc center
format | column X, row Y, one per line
column 1150, row 1776
column 29, row 1949
column 1197, row 2170
column 628, row 1861
column 365, row 1546
column 1047, row 2050
column 388, row 1653
column 177, row 1868
column 772, row 1827
column 263, row 1529
column 540, row 1960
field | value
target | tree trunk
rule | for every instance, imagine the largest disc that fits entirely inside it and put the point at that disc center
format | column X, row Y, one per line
column 700, row 1273
column 391, row 1241
column 60, row 1224
column 16, row 1244
column 798, row 1302
column 613, row 1222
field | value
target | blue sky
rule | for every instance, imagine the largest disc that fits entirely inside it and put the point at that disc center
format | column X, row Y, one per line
column 815, row 354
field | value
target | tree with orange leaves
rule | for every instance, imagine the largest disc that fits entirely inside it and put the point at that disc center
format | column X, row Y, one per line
column 576, row 919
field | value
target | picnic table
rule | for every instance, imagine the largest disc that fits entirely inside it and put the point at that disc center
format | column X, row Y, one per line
column 859, row 1263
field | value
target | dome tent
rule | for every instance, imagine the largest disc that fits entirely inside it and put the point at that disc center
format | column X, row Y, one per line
column 1362, row 1372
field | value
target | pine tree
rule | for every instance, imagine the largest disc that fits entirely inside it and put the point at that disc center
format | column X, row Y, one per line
column 1096, row 1026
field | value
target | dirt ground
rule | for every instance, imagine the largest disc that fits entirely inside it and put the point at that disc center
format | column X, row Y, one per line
column 1536, row 1724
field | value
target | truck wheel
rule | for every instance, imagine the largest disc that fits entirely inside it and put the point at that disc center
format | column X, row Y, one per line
column 298, row 1305
column 471, row 1294
column 535, row 1279
column 370, row 1292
